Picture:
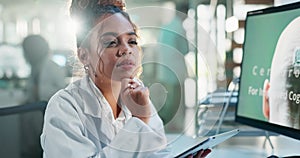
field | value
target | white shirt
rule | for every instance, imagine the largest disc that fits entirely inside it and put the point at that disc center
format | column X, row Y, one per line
column 79, row 123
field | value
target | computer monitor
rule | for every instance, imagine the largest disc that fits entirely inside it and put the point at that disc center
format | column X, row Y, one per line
column 269, row 93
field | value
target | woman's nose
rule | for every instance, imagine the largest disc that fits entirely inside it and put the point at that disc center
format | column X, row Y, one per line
column 124, row 50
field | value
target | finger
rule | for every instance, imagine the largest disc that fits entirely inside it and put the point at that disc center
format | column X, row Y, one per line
column 144, row 91
column 135, row 83
column 141, row 102
column 140, row 95
column 125, row 84
column 138, row 81
column 199, row 153
column 205, row 153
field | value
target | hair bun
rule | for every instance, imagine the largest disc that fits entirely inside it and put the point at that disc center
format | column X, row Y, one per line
column 84, row 4
column 118, row 3
column 86, row 11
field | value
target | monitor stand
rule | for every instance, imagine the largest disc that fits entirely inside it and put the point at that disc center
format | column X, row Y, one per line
column 267, row 139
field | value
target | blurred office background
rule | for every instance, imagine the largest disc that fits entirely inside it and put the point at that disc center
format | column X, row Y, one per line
column 192, row 48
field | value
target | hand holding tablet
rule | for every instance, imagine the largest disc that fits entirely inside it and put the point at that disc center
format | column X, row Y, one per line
column 183, row 146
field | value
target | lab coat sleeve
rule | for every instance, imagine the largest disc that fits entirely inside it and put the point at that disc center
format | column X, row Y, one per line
column 137, row 139
column 63, row 132
column 63, row 136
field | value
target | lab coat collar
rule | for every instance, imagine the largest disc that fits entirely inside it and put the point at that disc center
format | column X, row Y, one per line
column 97, row 105
column 93, row 102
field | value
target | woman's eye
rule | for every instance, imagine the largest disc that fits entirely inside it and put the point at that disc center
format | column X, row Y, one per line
column 133, row 42
column 109, row 44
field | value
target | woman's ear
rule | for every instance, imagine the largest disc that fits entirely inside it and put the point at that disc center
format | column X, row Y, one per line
column 83, row 55
column 266, row 102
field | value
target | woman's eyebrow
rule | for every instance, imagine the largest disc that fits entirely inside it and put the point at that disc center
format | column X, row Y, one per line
column 116, row 34
column 132, row 33
column 110, row 34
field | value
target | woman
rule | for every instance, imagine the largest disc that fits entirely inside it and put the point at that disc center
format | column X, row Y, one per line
column 107, row 113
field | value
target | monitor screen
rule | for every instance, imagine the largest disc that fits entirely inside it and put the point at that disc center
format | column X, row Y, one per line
column 269, row 93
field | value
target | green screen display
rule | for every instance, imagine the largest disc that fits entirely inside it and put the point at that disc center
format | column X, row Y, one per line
column 261, row 35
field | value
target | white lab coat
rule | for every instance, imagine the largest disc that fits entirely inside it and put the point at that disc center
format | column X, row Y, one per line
column 79, row 123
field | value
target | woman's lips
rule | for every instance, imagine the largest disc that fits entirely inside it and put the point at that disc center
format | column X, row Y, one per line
column 126, row 64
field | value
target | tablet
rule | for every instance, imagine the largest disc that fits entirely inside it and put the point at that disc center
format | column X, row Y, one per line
column 182, row 146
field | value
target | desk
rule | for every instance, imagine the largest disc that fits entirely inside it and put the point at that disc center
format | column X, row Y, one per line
column 252, row 147
column 11, row 97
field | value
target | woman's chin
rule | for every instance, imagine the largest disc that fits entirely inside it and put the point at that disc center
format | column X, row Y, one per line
column 122, row 76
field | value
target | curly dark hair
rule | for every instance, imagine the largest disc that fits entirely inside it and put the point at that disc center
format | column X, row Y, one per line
column 86, row 12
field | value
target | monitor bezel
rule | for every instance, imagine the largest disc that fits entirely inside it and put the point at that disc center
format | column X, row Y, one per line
column 287, row 131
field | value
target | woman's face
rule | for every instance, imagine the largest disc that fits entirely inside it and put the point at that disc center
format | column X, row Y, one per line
column 113, row 48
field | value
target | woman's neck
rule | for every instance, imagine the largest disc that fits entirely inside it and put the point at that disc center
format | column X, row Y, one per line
column 111, row 91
